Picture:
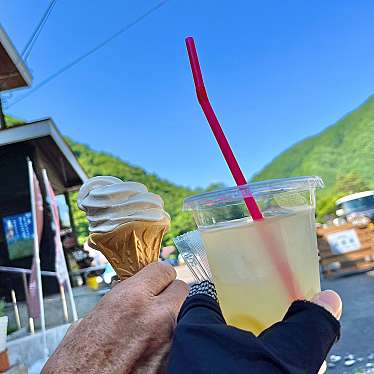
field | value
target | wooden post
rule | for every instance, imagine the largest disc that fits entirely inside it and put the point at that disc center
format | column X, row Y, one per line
column 71, row 217
column 2, row 116
column 64, row 305
column 15, row 308
column 31, row 325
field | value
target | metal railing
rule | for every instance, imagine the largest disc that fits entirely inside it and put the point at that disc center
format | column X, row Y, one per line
column 24, row 272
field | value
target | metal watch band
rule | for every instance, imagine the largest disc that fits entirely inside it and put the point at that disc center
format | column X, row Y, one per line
column 204, row 288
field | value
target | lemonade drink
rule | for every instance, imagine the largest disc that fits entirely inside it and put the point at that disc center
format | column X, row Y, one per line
column 251, row 291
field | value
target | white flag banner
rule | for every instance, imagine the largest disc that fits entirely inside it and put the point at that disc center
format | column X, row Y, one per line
column 32, row 296
column 60, row 264
column 37, row 286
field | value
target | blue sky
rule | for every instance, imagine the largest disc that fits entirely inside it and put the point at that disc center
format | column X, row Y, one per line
column 276, row 72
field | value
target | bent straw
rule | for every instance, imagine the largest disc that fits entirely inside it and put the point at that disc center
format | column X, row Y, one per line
column 202, row 97
column 281, row 265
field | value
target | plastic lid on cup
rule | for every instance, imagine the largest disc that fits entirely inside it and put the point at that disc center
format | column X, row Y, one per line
column 232, row 195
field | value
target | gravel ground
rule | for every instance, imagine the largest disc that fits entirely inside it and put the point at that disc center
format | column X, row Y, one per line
column 356, row 346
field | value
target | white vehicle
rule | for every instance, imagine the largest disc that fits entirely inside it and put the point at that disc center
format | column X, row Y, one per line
column 357, row 205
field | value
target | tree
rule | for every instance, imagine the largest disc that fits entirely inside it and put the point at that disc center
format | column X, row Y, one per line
column 345, row 185
column 100, row 163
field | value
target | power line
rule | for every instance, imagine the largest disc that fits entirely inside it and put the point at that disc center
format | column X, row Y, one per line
column 35, row 35
column 89, row 52
column 28, row 47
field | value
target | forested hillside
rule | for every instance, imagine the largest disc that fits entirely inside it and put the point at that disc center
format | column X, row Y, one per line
column 342, row 155
column 100, row 163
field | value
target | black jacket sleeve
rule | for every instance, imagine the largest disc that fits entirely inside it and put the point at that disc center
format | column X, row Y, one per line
column 203, row 343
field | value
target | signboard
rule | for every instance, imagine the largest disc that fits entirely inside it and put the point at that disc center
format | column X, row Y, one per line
column 343, row 241
column 19, row 235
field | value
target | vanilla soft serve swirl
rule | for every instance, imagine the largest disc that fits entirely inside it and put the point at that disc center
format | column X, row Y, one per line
column 109, row 202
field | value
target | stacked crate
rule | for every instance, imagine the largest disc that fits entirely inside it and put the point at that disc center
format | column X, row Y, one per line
column 335, row 264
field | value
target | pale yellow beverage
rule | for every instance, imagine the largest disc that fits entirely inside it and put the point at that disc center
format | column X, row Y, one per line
column 251, row 293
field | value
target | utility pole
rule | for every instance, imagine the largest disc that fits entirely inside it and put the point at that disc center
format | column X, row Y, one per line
column 2, row 117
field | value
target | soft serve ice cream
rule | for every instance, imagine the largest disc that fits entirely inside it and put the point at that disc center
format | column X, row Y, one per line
column 110, row 202
column 126, row 222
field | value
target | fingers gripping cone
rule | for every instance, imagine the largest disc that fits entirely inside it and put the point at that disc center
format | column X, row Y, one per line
column 131, row 246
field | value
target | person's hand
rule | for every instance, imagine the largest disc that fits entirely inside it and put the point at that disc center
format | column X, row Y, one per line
column 298, row 344
column 130, row 329
column 330, row 301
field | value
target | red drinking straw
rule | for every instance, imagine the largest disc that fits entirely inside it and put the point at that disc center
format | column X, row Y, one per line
column 217, row 130
column 272, row 247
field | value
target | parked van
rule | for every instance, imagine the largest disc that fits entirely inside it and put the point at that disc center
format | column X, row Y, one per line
column 359, row 204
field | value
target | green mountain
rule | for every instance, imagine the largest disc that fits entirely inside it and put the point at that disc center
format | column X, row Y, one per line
column 342, row 155
column 101, row 163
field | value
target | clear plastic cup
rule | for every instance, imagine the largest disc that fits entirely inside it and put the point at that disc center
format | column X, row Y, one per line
column 251, row 290
column 192, row 250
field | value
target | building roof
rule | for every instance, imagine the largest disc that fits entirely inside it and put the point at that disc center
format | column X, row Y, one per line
column 13, row 71
column 56, row 154
column 354, row 196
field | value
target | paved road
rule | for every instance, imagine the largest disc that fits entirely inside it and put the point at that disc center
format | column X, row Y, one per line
column 357, row 292
column 184, row 274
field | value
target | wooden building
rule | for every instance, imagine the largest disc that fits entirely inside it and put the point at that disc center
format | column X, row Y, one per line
column 41, row 142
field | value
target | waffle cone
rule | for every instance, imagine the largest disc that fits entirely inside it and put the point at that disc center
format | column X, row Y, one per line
column 131, row 246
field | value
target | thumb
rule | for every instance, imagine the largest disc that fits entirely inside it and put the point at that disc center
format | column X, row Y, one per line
column 306, row 334
column 329, row 300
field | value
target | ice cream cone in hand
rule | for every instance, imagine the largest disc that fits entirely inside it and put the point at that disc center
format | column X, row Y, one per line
column 126, row 222
column 131, row 246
